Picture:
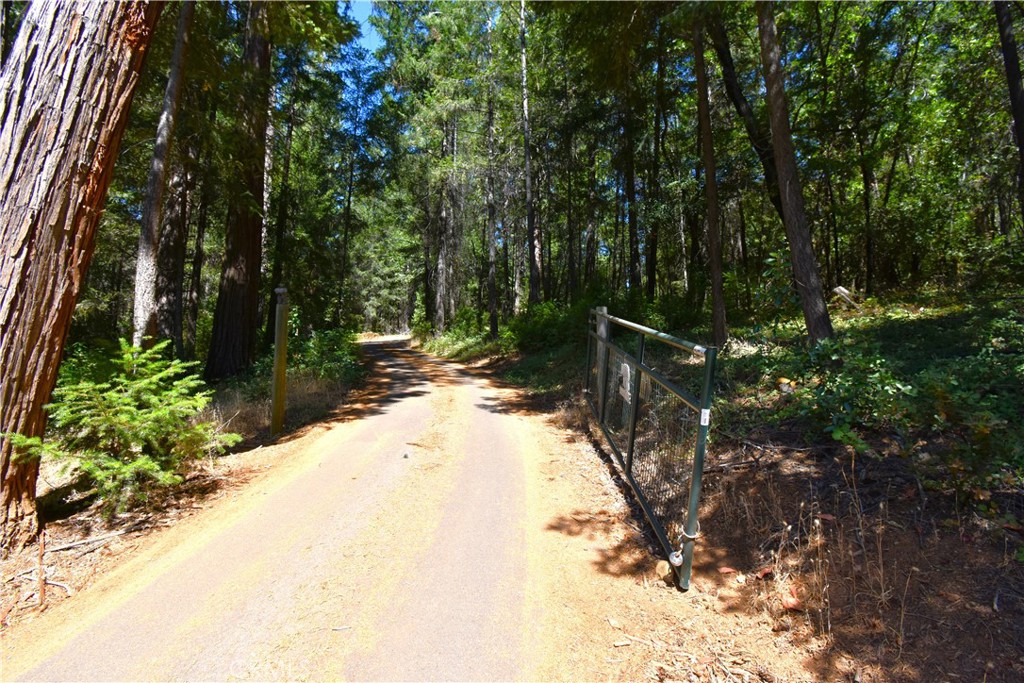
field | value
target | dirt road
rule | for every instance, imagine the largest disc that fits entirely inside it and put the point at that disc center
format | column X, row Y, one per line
column 437, row 529
column 394, row 550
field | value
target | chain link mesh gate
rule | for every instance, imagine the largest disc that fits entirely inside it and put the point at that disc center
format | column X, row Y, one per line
column 651, row 395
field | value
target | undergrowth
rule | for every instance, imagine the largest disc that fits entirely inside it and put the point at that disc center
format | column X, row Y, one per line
column 940, row 382
column 128, row 422
column 322, row 367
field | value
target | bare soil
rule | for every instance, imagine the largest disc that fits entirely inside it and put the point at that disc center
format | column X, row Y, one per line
column 813, row 564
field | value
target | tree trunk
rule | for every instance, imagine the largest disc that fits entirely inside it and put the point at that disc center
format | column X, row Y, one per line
column 868, row 180
column 720, row 332
column 170, row 272
column 632, row 219
column 492, row 208
column 346, row 237
column 65, row 94
column 744, row 255
column 1011, row 61
column 760, row 139
column 236, row 318
column 805, row 266
column 590, row 249
column 281, row 223
column 144, row 322
column 659, row 112
column 190, row 314
column 532, row 243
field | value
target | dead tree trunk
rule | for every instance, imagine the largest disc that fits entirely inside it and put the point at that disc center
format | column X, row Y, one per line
column 65, row 94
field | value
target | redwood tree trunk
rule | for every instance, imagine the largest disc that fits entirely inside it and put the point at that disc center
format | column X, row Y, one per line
column 798, row 234
column 145, row 316
column 236, row 318
column 718, row 324
column 65, row 94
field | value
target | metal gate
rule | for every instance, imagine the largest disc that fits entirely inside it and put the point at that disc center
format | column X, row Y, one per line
column 651, row 394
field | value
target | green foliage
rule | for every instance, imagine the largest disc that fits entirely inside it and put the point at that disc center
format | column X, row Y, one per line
column 133, row 431
column 948, row 378
column 849, row 387
column 329, row 354
column 546, row 325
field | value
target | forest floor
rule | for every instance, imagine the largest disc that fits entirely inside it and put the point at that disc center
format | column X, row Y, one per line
column 444, row 525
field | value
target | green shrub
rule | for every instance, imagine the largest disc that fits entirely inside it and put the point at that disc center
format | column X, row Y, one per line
column 326, row 354
column 134, row 431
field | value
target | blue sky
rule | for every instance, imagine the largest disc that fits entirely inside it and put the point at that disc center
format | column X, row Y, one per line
column 361, row 13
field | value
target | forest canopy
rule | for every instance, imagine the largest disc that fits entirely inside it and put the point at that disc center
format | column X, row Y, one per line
column 552, row 152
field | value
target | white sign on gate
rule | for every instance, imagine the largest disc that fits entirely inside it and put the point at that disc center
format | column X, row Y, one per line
column 624, row 378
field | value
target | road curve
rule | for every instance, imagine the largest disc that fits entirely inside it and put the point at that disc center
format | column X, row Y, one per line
column 392, row 549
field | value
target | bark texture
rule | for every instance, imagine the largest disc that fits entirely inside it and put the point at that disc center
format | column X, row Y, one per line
column 65, row 94
column 144, row 320
column 798, row 234
column 718, row 322
column 236, row 317
column 532, row 242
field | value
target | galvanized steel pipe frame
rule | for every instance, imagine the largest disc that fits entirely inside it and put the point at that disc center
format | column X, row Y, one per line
column 701, row 405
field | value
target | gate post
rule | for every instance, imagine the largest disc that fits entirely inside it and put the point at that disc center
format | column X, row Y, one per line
column 280, row 362
column 602, row 358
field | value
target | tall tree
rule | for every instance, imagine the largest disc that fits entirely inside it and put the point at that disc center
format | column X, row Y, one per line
column 491, row 225
column 798, row 234
column 1011, row 61
column 760, row 139
column 145, row 322
column 719, row 330
column 236, row 318
column 533, row 243
column 56, row 163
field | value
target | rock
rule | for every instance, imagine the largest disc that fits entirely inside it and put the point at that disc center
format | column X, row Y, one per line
column 664, row 571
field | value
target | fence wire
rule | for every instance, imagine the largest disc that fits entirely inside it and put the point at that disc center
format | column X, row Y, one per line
column 663, row 448
column 650, row 405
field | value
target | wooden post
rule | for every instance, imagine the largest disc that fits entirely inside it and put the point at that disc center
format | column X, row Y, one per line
column 602, row 358
column 280, row 362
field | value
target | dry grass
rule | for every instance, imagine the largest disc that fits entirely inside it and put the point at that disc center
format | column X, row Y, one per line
column 309, row 398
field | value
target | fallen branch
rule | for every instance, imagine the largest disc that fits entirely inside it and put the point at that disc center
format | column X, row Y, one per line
column 641, row 640
column 731, row 466
column 94, row 539
column 773, row 447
